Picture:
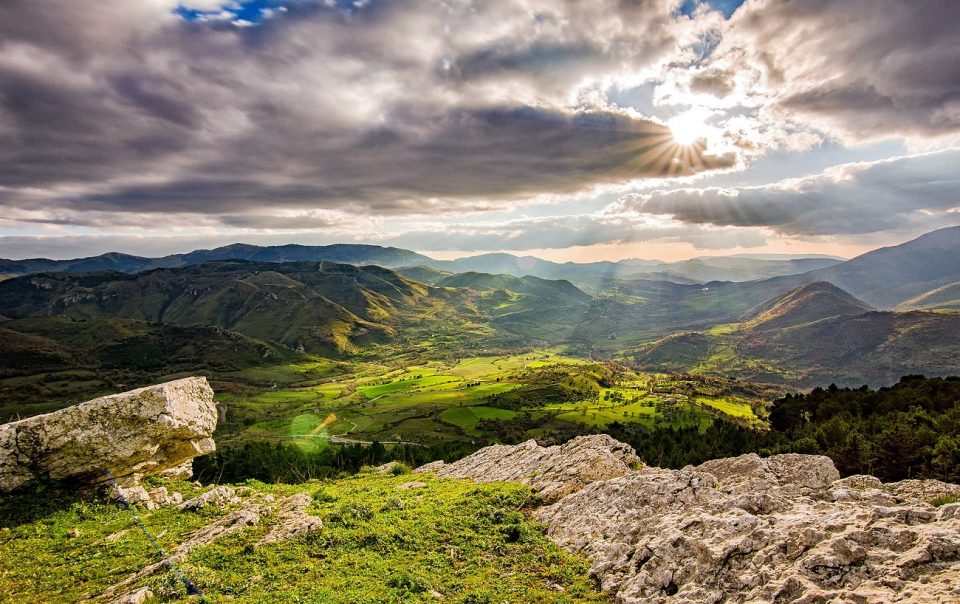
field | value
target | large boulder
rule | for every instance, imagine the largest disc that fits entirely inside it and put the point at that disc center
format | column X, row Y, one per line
column 552, row 472
column 128, row 435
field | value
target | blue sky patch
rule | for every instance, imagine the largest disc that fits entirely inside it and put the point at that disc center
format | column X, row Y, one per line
column 727, row 7
column 252, row 11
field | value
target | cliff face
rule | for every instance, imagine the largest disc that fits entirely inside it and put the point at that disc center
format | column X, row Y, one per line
column 745, row 529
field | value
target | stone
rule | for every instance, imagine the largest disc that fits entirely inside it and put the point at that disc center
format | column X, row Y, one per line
column 433, row 466
column 412, row 485
column 552, row 472
column 137, row 596
column 294, row 521
column 219, row 497
column 742, row 530
column 130, row 435
column 386, row 468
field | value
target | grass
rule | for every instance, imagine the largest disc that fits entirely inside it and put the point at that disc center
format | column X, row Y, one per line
column 451, row 541
column 730, row 407
column 467, row 418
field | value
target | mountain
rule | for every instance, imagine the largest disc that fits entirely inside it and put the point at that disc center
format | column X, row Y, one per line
column 589, row 275
column 124, row 263
column 892, row 275
column 815, row 334
column 523, row 285
column 811, row 302
column 535, row 309
column 321, row 307
column 593, row 275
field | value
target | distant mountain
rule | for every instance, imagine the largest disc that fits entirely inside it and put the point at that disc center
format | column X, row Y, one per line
column 593, row 275
column 816, row 334
column 892, row 275
column 124, row 263
column 589, row 275
column 549, row 289
column 807, row 303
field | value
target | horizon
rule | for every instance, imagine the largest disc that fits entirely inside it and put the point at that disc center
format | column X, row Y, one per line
column 667, row 129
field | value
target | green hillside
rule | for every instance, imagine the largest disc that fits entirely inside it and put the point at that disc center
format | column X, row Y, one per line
column 449, row 540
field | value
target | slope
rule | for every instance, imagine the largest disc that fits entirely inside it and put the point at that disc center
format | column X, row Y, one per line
column 320, row 307
column 892, row 275
column 812, row 302
column 812, row 335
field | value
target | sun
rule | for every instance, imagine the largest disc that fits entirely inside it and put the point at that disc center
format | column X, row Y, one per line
column 688, row 127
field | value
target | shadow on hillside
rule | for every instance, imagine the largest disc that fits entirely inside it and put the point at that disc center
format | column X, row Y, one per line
column 37, row 501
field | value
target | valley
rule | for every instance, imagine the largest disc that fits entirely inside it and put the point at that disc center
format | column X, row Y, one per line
column 313, row 353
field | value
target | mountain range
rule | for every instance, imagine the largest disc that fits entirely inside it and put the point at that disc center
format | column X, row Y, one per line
column 587, row 275
column 869, row 319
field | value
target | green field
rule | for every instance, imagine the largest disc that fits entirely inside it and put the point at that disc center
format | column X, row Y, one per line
column 432, row 402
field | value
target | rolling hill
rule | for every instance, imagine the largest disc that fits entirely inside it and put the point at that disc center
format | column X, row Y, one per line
column 812, row 335
column 807, row 303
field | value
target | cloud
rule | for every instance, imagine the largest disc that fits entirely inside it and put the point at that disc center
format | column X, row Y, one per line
column 398, row 107
column 860, row 69
column 904, row 193
column 559, row 232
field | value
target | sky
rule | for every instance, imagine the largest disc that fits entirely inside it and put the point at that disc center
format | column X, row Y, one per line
column 567, row 129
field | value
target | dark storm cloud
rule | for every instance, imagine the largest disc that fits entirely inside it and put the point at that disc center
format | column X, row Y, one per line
column 864, row 68
column 396, row 107
column 921, row 191
column 495, row 152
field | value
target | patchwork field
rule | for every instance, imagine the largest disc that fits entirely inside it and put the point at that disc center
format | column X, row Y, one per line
column 432, row 402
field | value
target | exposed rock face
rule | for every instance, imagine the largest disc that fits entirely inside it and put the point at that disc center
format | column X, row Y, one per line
column 746, row 529
column 553, row 472
column 131, row 434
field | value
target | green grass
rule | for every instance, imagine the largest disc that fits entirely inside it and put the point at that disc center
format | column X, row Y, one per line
column 732, row 408
column 467, row 418
column 451, row 541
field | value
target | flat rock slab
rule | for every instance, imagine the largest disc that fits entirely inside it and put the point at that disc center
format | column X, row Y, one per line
column 131, row 435
column 552, row 472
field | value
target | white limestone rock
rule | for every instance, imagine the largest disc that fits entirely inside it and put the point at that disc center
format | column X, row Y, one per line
column 552, row 472
column 131, row 435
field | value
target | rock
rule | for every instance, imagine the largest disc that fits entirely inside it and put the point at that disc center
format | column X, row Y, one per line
column 131, row 435
column 552, row 472
column 181, row 472
column 137, row 596
column 220, row 496
column 750, row 529
column 797, row 473
column 386, row 468
column 433, row 466
column 73, row 533
column 922, row 491
column 294, row 520
column 412, row 485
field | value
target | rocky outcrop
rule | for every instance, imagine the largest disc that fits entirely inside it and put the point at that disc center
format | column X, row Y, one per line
column 747, row 529
column 552, row 472
column 129, row 435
